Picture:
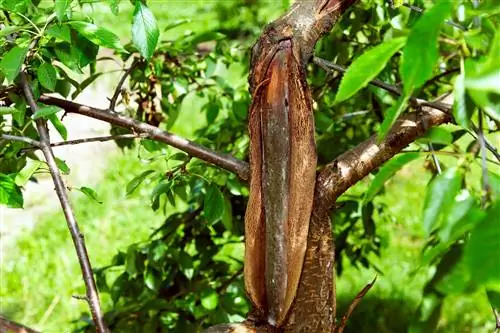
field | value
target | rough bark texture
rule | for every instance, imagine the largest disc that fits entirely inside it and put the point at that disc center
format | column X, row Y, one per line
column 283, row 169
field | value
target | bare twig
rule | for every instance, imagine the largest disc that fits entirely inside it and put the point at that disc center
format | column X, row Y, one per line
column 13, row 327
column 113, row 100
column 497, row 319
column 434, row 158
column 60, row 188
column 24, row 139
column 194, row 149
column 353, row 305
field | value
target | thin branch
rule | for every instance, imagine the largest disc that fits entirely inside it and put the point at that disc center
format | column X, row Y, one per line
column 24, row 139
column 13, row 327
column 355, row 164
column 487, row 144
column 112, row 102
column 329, row 66
column 497, row 319
column 194, row 149
column 60, row 188
column 355, row 302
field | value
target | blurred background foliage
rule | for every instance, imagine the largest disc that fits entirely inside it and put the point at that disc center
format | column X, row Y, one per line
column 167, row 240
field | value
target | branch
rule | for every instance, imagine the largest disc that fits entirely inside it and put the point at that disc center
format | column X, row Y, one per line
column 24, row 139
column 194, row 149
column 112, row 102
column 60, row 188
column 355, row 164
column 329, row 66
column 13, row 327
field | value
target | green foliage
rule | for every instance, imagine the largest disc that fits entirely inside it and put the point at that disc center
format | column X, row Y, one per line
column 367, row 67
column 193, row 81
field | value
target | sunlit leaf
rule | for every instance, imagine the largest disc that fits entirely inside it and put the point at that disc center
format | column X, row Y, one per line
column 10, row 193
column 60, row 7
column 46, row 111
column 440, row 196
column 145, row 32
column 209, row 299
column 134, row 183
column 98, row 35
column 367, row 67
column 12, row 61
column 483, row 250
column 47, row 76
column 420, row 54
column 91, row 193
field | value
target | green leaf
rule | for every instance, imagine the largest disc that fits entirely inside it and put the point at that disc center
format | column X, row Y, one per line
column 47, row 76
column 98, row 35
column 134, row 183
column 214, row 204
column 386, row 172
column 367, row 67
column 59, row 126
column 440, row 196
column 12, row 62
column 62, row 32
column 113, row 5
column 420, row 54
column 460, row 112
column 152, row 279
column 437, row 135
column 60, row 7
column 46, row 111
column 209, row 299
column 162, row 188
column 227, row 216
column 10, row 193
column 390, row 117
column 186, row 265
column 7, row 110
column 62, row 166
column 482, row 252
column 91, row 193
column 145, row 32
column 494, row 298
column 130, row 261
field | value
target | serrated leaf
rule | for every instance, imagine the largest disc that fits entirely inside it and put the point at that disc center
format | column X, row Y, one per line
column 440, row 197
column 214, row 204
column 367, row 67
column 209, row 299
column 98, row 35
column 386, row 172
column 145, row 32
column 421, row 53
column 12, row 61
column 92, row 194
column 483, row 250
column 60, row 7
column 59, row 126
column 61, row 165
column 134, row 183
column 10, row 193
column 390, row 117
column 47, row 76
column 46, row 111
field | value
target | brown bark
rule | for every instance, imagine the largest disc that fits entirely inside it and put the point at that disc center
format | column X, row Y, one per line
column 8, row 326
